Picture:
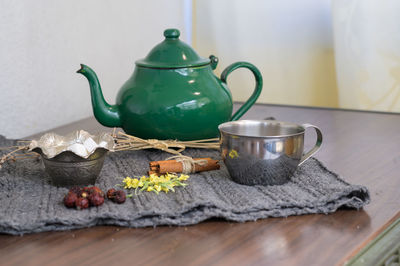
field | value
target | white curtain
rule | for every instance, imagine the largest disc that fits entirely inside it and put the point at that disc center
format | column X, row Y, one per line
column 334, row 53
column 367, row 53
column 289, row 41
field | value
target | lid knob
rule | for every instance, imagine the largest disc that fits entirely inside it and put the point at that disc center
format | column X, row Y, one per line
column 172, row 53
column 171, row 33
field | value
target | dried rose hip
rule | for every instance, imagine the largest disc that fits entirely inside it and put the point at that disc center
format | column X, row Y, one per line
column 83, row 194
column 96, row 199
column 111, row 193
column 97, row 190
column 82, row 198
column 77, row 190
column 86, row 189
column 70, row 199
column 120, row 197
column 82, row 203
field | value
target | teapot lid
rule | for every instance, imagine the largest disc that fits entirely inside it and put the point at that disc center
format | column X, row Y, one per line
column 172, row 53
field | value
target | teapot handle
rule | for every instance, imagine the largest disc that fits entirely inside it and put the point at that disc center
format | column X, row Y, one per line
column 257, row 90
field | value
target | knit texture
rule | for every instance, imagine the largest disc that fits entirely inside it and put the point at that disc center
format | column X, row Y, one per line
column 29, row 203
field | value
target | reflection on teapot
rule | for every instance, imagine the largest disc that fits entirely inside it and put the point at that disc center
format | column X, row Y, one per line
column 172, row 94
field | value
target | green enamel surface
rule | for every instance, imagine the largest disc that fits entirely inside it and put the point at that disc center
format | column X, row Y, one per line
column 107, row 114
column 186, row 103
column 172, row 53
column 172, row 94
column 257, row 90
column 182, row 103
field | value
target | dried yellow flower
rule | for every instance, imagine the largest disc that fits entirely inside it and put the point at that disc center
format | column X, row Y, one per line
column 233, row 154
column 155, row 183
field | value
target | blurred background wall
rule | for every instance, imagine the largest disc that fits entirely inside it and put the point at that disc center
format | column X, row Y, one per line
column 327, row 53
column 330, row 53
column 367, row 53
column 42, row 43
column 291, row 42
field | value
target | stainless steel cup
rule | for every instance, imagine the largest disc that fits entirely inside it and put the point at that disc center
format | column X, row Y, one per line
column 264, row 152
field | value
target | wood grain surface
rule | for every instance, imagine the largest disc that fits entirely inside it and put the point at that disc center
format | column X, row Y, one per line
column 364, row 147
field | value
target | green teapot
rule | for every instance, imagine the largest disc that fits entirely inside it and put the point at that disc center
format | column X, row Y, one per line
column 172, row 94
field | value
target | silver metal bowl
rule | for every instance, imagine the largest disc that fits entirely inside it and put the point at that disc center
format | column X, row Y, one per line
column 75, row 159
column 68, row 169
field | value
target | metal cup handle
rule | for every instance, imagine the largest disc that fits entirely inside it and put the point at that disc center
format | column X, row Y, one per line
column 317, row 144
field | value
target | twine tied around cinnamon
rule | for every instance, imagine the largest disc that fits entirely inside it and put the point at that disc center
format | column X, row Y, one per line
column 188, row 163
column 124, row 141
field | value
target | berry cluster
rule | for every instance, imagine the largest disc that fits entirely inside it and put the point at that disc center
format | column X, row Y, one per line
column 118, row 196
column 82, row 198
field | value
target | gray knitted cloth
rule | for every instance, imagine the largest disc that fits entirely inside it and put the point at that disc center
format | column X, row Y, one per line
column 29, row 203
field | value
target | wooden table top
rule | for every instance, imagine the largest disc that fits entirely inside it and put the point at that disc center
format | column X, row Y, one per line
column 363, row 147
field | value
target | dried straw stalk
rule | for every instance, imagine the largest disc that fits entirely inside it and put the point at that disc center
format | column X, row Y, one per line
column 17, row 152
column 124, row 141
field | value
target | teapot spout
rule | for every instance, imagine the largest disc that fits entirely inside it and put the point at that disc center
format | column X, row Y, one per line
column 108, row 115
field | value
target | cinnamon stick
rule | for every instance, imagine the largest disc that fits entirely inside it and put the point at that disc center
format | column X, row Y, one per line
column 173, row 166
